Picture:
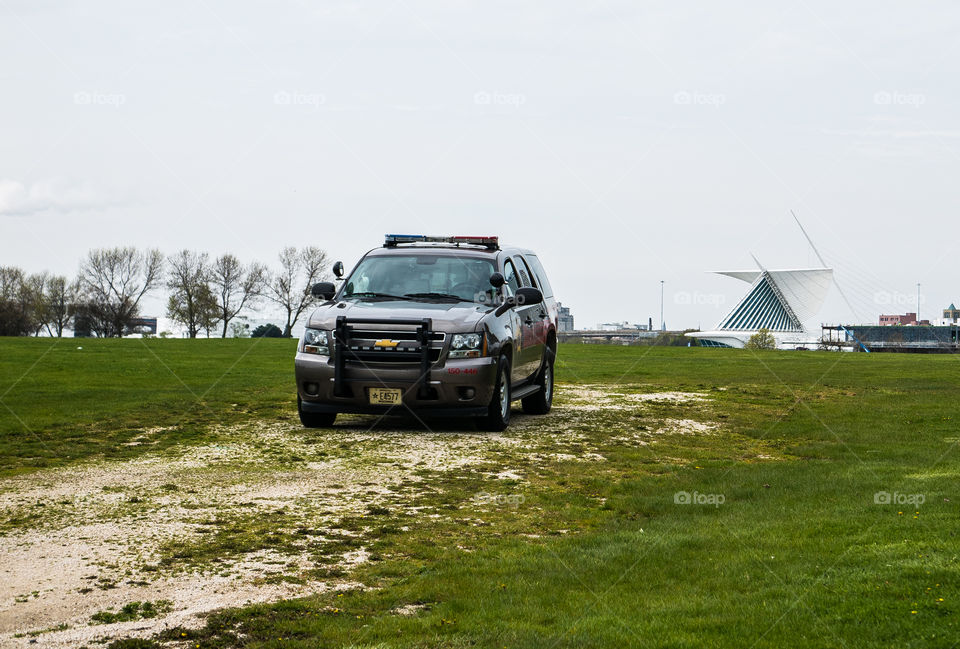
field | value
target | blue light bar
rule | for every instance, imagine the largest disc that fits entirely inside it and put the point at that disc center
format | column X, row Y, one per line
column 403, row 238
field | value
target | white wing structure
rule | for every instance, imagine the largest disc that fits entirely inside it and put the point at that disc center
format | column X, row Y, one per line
column 781, row 301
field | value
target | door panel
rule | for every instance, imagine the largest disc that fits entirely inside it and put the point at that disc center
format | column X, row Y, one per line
column 518, row 370
column 531, row 325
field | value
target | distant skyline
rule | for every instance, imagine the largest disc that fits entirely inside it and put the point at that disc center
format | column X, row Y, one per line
column 627, row 144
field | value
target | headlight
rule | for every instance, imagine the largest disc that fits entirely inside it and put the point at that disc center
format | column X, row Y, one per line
column 466, row 346
column 316, row 341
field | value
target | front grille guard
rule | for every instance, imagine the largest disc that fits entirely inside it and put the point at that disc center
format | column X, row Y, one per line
column 342, row 351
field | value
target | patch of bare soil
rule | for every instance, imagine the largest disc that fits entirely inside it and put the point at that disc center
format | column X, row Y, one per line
column 89, row 538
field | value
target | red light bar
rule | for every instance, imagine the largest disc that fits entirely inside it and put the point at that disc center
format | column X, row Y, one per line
column 478, row 241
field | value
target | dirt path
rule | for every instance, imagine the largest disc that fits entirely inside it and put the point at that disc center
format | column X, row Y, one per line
column 95, row 537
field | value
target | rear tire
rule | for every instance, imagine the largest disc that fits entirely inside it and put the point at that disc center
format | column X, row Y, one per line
column 498, row 412
column 541, row 402
column 315, row 419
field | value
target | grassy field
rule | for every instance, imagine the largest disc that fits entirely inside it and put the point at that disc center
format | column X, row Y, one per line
column 66, row 399
column 796, row 499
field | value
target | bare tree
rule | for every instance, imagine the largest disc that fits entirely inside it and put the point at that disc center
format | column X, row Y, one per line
column 58, row 304
column 113, row 281
column 192, row 302
column 235, row 286
column 290, row 286
column 34, row 289
column 18, row 303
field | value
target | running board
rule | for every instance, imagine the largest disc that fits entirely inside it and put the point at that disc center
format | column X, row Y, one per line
column 525, row 391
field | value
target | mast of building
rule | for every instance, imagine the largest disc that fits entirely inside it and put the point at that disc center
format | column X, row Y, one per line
column 824, row 265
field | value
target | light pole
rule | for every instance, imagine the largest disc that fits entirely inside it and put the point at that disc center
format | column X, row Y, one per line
column 918, row 303
column 663, row 325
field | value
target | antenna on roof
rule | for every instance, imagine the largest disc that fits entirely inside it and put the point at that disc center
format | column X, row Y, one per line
column 824, row 264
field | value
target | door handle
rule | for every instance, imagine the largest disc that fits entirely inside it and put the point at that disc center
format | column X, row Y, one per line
column 528, row 321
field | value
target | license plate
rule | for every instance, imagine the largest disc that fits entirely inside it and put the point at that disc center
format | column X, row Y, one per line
column 385, row 396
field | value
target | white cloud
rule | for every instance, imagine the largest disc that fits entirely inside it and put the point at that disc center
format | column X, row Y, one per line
column 19, row 199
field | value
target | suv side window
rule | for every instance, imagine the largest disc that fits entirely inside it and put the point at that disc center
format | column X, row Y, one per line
column 541, row 276
column 510, row 275
column 522, row 270
column 526, row 273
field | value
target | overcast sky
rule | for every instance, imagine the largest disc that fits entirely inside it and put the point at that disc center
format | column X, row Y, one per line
column 625, row 142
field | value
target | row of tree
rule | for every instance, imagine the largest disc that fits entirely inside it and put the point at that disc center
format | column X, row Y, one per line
column 204, row 294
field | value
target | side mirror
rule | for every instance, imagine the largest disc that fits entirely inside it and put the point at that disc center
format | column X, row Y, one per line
column 323, row 290
column 525, row 295
column 528, row 295
column 497, row 280
column 338, row 269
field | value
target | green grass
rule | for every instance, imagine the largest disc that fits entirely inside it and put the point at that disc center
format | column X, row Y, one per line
column 597, row 553
column 60, row 403
column 132, row 611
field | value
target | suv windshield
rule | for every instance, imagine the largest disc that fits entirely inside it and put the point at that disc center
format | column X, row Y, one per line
column 421, row 277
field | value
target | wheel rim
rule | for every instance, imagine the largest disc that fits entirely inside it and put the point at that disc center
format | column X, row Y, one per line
column 547, row 383
column 504, row 398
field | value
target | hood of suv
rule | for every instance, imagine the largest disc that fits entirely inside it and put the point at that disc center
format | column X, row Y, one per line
column 445, row 316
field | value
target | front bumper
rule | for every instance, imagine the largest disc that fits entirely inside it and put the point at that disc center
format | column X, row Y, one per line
column 447, row 384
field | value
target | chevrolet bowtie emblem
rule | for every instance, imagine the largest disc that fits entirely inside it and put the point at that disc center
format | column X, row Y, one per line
column 386, row 343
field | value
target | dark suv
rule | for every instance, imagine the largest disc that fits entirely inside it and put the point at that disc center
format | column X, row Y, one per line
column 431, row 325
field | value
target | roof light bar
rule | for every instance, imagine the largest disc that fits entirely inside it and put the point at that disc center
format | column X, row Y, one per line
column 391, row 240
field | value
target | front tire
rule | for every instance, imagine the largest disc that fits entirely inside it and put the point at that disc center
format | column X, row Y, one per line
column 540, row 402
column 315, row 419
column 498, row 412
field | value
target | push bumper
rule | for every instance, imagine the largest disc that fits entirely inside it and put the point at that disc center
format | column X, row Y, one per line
column 461, row 387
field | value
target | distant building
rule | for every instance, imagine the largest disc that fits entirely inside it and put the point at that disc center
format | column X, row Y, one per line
column 780, row 301
column 141, row 326
column 875, row 338
column 904, row 320
column 83, row 328
column 565, row 318
column 951, row 313
column 621, row 326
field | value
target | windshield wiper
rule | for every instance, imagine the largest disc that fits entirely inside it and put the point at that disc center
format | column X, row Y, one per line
column 436, row 296
column 374, row 294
